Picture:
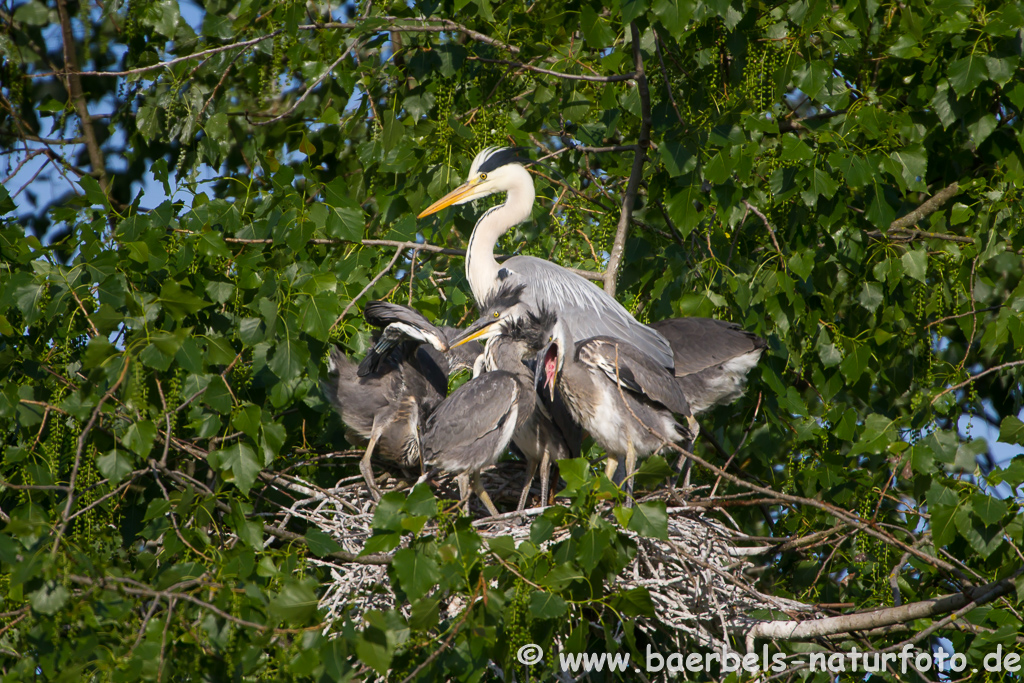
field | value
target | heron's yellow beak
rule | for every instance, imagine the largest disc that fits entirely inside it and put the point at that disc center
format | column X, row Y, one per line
column 463, row 193
column 477, row 330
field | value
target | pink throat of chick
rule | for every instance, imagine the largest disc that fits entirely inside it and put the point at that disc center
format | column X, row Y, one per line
column 550, row 363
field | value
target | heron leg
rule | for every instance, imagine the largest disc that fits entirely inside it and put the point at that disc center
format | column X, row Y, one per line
column 610, row 465
column 545, row 478
column 683, row 462
column 630, row 468
column 531, row 472
column 364, row 464
column 463, row 481
column 426, row 476
column 478, row 488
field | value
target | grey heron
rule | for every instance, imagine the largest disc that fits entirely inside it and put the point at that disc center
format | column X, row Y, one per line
column 549, row 434
column 384, row 400
column 711, row 358
column 470, row 430
column 586, row 308
column 623, row 397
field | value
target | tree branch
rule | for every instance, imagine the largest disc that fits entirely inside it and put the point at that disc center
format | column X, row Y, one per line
column 611, row 272
column 928, row 207
column 614, row 78
column 73, row 83
column 970, row 379
column 848, row 623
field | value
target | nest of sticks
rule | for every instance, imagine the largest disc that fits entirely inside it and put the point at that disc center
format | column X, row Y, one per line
column 698, row 578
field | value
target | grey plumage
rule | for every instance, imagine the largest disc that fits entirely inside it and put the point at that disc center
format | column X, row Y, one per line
column 621, row 396
column 470, row 430
column 587, row 308
column 548, row 433
column 403, row 378
column 711, row 358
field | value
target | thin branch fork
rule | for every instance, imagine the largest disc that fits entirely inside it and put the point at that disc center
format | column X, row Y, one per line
column 614, row 78
column 902, row 228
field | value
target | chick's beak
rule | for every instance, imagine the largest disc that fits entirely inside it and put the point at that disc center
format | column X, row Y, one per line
column 481, row 329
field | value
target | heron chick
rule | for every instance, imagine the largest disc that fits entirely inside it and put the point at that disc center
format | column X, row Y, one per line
column 549, row 434
column 625, row 399
column 470, row 430
column 403, row 377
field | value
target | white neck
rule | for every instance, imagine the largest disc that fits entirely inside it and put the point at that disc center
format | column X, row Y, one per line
column 481, row 266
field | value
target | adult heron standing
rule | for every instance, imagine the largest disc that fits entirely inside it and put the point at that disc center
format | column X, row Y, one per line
column 586, row 308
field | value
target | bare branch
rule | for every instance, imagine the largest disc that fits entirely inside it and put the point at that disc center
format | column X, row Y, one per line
column 928, row 207
column 73, row 83
column 771, row 231
column 848, row 623
column 569, row 77
column 369, row 285
column 970, row 379
column 611, row 272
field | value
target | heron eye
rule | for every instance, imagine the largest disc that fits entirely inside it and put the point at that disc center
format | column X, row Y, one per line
column 495, row 314
column 483, row 176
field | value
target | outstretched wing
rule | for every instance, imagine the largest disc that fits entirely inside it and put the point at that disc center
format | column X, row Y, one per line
column 400, row 324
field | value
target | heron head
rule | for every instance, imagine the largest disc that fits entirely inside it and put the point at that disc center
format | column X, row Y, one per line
column 551, row 358
column 495, row 169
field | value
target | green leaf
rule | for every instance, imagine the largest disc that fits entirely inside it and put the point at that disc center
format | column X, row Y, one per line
column 635, row 602
column 115, row 465
column 373, row 646
column 596, row 32
column 139, row 437
column 180, row 302
column 984, row 540
column 32, row 13
column 591, row 547
column 653, row 471
column 424, row 613
column 544, row 605
column 913, row 164
column 870, row 295
column 1011, row 430
column 417, row 573
column 677, row 159
column 967, row 73
column 989, row 510
column 650, row 519
column 674, row 15
column 296, row 603
column 318, row 314
column 915, row 263
column 812, row 76
column 50, row 598
column 238, row 464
